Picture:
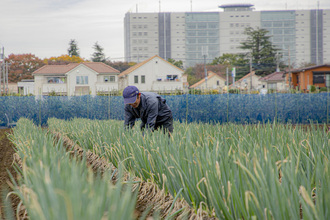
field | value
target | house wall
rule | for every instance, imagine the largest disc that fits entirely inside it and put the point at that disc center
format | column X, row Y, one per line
column 42, row 87
column 12, row 88
column 81, row 71
column 38, row 84
column 246, row 82
column 153, row 70
column 307, row 77
column 27, row 87
column 102, row 86
column 280, row 86
column 212, row 83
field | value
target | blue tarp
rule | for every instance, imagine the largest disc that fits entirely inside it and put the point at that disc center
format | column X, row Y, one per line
column 219, row 108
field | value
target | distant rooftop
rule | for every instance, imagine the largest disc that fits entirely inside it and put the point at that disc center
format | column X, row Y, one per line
column 237, row 7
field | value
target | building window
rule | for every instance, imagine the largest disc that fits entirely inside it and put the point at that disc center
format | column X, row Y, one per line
column 109, row 79
column 82, row 80
column 136, row 79
column 171, row 77
column 272, row 86
column 56, row 80
column 318, row 78
column 218, row 82
column 143, row 79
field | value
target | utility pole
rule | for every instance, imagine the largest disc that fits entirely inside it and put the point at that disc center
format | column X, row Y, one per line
column 289, row 63
column 227, row 82
column 1, row 58
column 164, row 36
column 277, row 62
column 317, row 33
column 204, row 53
column 233, row 74
column 6, row 66
column 251, row 72
column 2, row 70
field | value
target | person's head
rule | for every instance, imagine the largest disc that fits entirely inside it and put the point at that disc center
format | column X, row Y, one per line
column 131, row 96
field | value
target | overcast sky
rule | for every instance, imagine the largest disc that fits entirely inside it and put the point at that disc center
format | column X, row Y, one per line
column 45, row 27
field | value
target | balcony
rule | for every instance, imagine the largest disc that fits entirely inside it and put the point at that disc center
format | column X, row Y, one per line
column 59, row 88
column 106, row 87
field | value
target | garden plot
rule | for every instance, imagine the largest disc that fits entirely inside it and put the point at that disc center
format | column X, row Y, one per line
column 230, row 171
column 233, row 171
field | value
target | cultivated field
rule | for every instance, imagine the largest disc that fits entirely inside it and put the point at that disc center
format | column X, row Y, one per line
column 228, row 171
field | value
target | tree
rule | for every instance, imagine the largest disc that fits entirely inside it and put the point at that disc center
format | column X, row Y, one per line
column 73, row 48
column 119, row 65
column 63, row 60
column 196, row 73
column 21, row 66
column 263, row 52
column 306, row 64
column 178, row 63
column 231, row 60
column 98, row 55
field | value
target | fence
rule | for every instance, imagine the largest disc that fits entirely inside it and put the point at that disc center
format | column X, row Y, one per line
column 218, row 108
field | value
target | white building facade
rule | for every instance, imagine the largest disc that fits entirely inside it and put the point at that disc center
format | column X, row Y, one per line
column 154, row 74
column 301, row 35
column 75, row 79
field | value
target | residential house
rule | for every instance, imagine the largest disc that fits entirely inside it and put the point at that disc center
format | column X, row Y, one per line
column 154, row 74
column 274, row 81
column 76, row 79
column 305, row 77
column 245, row 82
column 26, row 87
column 214, row 81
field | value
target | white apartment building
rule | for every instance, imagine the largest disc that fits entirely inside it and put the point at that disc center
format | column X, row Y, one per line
column 301, row 35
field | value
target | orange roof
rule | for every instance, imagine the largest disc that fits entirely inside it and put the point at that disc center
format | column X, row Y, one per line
column 308, row 68
column 55, row 69
column 210, row 75
column 101, row 67
column 63, row 69
column 276, row 76
column 136, row 66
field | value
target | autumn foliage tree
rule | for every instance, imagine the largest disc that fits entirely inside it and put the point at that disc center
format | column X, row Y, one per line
column 21, row 66
column 63, row 60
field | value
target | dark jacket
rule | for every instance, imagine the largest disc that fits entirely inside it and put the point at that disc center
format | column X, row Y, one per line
column 152, row 110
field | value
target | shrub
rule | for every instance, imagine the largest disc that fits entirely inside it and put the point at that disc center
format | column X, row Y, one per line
column 324, row 89
column 313, row 88
column 195, row 91
column 234, row 91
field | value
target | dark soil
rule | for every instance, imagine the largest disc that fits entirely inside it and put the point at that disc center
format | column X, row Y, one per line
column 6, row 165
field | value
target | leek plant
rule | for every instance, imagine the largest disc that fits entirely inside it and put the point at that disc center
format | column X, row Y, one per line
column 55, row 186
column 263, row 171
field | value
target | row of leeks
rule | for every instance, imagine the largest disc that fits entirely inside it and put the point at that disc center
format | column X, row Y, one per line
column 55, row 186
column 265, row 171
